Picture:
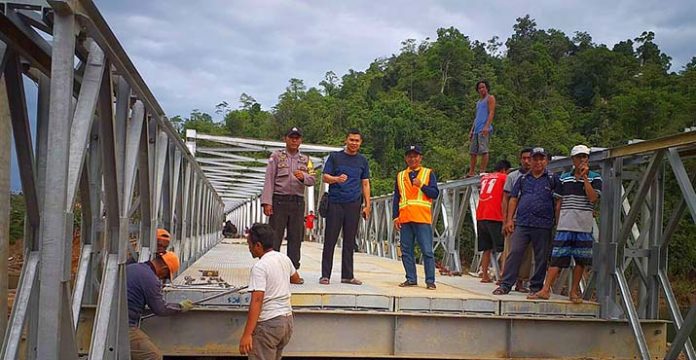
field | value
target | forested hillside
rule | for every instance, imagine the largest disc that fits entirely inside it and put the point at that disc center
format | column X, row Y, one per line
column 552, row 89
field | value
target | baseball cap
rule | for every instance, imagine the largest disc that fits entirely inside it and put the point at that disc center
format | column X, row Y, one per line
column 294, row 131
column 172, row 261
column 538, row 151
column 579, row 149
column 415, row 148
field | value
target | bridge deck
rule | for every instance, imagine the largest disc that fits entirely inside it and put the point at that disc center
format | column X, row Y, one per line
column 455, row 294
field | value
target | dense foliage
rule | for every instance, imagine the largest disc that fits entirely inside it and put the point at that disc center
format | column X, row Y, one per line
column 552, row 90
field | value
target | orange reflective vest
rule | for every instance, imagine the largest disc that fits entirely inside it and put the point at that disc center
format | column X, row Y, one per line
column 414, row 206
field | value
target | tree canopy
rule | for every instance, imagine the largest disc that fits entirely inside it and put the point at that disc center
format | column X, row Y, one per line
column 552, row 89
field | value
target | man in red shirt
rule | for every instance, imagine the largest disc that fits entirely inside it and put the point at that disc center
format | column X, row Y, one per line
column 489, row 215
column 309, row 224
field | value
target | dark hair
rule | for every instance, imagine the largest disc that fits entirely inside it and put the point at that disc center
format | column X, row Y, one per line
column 502, row 165
column 524, row 150
column 262, row 233
column 354, row 132
column 485, row 82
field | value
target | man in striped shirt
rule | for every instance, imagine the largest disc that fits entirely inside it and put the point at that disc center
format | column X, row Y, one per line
column 579, row 190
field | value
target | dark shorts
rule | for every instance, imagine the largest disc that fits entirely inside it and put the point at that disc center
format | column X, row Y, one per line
column 490, row 235
column 567, row 244
column 479, row 144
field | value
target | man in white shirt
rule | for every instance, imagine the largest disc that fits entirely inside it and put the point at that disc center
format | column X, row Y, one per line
column 269, row 322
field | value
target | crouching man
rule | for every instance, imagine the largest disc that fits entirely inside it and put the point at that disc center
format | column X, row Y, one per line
column 144, row 287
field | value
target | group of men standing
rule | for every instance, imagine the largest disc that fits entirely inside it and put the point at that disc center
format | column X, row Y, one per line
column 528, row 206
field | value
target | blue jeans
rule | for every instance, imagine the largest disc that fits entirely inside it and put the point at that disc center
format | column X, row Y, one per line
column 423, row 234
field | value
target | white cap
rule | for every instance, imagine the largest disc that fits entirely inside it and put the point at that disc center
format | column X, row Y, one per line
column 579, row 149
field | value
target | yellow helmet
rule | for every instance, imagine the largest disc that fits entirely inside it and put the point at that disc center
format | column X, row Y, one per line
column 172, row 261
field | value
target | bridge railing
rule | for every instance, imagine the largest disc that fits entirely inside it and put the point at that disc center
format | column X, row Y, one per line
column 633, row 232
column 104, row 157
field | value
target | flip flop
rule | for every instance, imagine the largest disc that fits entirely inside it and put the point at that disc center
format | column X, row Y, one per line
column 324, row 281
column 352, row 281
column 486, row 280
column 537, row 296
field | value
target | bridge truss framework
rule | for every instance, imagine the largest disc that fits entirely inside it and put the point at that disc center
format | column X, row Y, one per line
column 102, row 138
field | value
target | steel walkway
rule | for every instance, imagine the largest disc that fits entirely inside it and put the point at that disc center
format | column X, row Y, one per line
column 459, row 320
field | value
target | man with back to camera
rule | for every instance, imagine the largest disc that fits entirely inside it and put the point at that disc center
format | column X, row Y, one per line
column 288, row 173
column 348, row 176
column 481, row 129
column 489, row 216
column 269, row 322
column 414, row 192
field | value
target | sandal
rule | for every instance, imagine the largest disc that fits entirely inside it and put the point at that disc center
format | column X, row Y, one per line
column 576, row 299
column 486, row 281
column 300, row 282
column 521, row 288
column 352, row 281
column 408, row 283
column 537, row 296
column 501, row 290
column 324, row 281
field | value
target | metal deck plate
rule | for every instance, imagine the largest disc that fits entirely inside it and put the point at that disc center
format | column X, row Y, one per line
column 380, row 291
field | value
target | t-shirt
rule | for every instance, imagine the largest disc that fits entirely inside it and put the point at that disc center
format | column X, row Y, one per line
column 535, row 206
column 309, row 221
column 512, row 179
column 576, row 210
column 357, row 169
column 271, row 274
column 490, row 206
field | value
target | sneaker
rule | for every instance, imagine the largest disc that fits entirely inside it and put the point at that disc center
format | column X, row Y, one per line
column 408, row 284
column 431, row 286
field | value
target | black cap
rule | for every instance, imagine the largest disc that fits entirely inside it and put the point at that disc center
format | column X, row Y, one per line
column 414, row 148
column 539, row 151
column 294, row 131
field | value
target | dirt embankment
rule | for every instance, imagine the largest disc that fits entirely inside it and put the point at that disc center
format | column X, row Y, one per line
column 16, row 260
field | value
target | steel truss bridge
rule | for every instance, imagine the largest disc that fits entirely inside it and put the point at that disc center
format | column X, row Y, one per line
column 103, row 155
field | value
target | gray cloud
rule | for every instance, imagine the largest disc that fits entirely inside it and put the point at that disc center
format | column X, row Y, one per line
column 196, row 54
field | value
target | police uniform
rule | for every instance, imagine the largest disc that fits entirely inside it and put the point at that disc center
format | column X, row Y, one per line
column 285, row 193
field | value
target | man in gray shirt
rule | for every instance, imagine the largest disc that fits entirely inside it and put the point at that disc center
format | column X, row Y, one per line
column 288, row 173
column 526, row 266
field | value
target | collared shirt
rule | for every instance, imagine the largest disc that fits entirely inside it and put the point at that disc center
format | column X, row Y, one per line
column 280, row 178
column 535, row 205
column 357, row 170
column 576, row 209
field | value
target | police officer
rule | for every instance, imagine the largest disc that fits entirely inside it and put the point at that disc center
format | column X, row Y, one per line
column 287, row 174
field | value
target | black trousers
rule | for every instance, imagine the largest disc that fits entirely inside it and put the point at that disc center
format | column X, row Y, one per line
column 341, row 216
column 288, row 212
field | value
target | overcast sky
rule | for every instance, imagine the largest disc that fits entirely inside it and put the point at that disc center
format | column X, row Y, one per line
column 195, row 54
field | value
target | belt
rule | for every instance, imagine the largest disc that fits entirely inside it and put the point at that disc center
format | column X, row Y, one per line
column 288, row 197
